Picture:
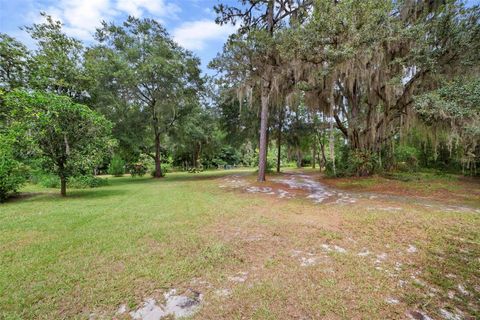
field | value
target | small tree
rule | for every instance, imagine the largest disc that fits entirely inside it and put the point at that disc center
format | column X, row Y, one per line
column 117, row 166
column 71, row 137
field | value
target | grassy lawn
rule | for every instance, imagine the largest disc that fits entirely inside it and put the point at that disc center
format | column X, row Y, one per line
column 83, row 256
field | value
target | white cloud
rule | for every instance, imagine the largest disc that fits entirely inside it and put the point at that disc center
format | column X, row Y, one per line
column 82, row 17
column 157, row 7
column 194, row 35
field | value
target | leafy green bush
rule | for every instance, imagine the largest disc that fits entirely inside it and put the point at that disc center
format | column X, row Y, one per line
column 117, row 166
column 353, row 163
column 83, row 182
column 166, row 167
column 48, row 180
column 137, row 169
column 406, row 158
column 12, row 173
column 361, row 163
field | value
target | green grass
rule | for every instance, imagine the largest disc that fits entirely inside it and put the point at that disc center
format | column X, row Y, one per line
column 92, row 249
column 68, row 258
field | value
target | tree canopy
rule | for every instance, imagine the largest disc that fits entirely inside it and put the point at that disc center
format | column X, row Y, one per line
column 357, row 87
column 71, row 138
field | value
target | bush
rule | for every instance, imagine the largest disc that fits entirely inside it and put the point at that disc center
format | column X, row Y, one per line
column 137, row 169
column 48, row 181
column 12, row 173
column 406, row 158
column 353, row 163
column 83, row 182
column 166, row 167
column 361, row 163
column 117, row 166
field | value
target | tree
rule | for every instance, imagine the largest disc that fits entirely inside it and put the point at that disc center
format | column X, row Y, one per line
column 56, row 64
column 153, row 74
column 362, row 63
column 454, row 110
column 13, row 63
column 109, row 97
column 299, row 131
column 259, row 21
column 71, row 137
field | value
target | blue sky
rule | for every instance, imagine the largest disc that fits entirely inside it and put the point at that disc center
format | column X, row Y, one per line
column 190, row 22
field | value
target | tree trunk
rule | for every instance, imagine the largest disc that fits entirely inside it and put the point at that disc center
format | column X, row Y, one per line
column 158, row 162
column 63, row 186
column 262, row 156
column 299, row 158
column 196, row 155
column 279, row 140
column 324, row 157
column 332, row 143
column 314, row 154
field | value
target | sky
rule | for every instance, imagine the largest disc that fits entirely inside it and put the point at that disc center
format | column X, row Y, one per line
column 191, row 23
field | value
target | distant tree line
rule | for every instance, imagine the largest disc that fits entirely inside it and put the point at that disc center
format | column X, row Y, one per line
column 355, row 87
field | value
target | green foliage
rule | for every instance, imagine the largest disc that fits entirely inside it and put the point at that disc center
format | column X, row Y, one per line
column 56, row 65
column 152, row 76
column 137, row 169
column 47, row 180
column 270, row 164
column 76, row 182
column 353, row 163
column 117, row 166
column 13, row 61
column 166, row 168
column 86, row 181
column 72, row 139
column 406, row 157
column 453, row 112
column 12, row 173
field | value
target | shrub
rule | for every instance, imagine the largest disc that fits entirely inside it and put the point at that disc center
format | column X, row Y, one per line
column 353, row 163
column 12, row 173
column 406, row 158
column 137, row 169
column 166, row 167
column 361, row 163
column 117, row 166
column 87, row 181
column 49, row 181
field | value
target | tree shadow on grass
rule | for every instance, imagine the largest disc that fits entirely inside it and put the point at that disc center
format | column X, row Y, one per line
column 94, row 193
column 89, row 194
column 17, row 197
